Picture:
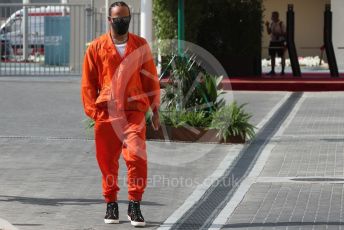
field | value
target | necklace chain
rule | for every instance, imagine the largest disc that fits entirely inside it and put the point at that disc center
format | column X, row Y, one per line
column 120, row 41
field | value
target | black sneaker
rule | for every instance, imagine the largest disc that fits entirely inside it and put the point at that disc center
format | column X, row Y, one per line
column 111, row 216
column 135, row 215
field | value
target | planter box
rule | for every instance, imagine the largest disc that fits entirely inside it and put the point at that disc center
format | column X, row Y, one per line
column 188, row 134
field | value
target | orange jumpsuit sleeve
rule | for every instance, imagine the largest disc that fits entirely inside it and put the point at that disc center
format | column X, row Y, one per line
column 150, row 80
column 89, row 83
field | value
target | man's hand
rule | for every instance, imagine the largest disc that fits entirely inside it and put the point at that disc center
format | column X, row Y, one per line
column 155, row 121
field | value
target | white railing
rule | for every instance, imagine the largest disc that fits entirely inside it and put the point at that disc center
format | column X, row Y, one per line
column 56, row 36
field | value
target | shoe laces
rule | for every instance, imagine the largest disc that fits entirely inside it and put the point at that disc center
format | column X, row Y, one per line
column 135, row 208
column 111, row 207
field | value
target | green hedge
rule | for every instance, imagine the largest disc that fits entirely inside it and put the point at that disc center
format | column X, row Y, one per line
column 229, row 29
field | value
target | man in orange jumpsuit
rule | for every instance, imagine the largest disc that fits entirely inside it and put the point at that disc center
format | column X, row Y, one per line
column 119, row 85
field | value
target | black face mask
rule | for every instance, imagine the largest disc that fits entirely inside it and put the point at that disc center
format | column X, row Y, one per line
column 121, row 24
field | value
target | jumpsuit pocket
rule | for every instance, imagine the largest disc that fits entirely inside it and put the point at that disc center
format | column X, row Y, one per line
column 104, row 102
column 102, row 114
column 105, row 96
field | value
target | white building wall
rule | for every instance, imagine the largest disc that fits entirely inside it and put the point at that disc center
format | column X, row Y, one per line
column 309, row 24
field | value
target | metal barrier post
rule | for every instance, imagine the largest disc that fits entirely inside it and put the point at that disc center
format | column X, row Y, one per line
column 294, row 61
column 107, row 5
column 331, row 57
column 25, row 30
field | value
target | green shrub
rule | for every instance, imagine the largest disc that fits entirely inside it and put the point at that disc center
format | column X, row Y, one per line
column 88, row 123
column 232, row 120
column 165, row 18
column 229, row 120
column 228, row 29
column 177, row 119
column 191, row 88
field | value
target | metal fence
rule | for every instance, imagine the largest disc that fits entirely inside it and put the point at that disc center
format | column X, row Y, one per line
column 49, row 39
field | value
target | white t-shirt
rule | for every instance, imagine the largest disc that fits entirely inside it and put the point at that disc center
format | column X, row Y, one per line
column 277, row 31
column 121, row 48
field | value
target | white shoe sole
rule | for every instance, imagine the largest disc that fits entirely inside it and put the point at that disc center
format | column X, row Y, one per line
column 136, row 224
column 109, row 221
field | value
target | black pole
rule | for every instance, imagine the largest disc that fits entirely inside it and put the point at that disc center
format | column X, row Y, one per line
column 294, row 60
column 331, row 57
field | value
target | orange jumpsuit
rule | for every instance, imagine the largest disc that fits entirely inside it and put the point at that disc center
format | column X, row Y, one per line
column 116, row 93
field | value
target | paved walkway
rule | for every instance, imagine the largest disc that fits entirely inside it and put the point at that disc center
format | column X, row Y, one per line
column 49, row 178
column 290, row 176
column 300, row 184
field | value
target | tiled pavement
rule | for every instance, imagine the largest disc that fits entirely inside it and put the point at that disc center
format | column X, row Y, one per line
column 49, row 177
column 54, row 183
column 302, row 183
column 290, row 206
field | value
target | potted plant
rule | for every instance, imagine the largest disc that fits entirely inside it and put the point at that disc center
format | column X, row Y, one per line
column 183, row 125
column 232, row 123
column 193, row 110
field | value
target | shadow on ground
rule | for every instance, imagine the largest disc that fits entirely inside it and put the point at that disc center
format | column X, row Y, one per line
column 62, row 201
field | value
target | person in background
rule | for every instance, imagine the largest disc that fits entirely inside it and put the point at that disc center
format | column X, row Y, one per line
column 277, row 32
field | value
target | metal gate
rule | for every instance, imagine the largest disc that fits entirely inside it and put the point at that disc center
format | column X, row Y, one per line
column 48, row 39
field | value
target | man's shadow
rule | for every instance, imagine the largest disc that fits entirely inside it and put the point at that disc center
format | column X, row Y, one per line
column 62, row 201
